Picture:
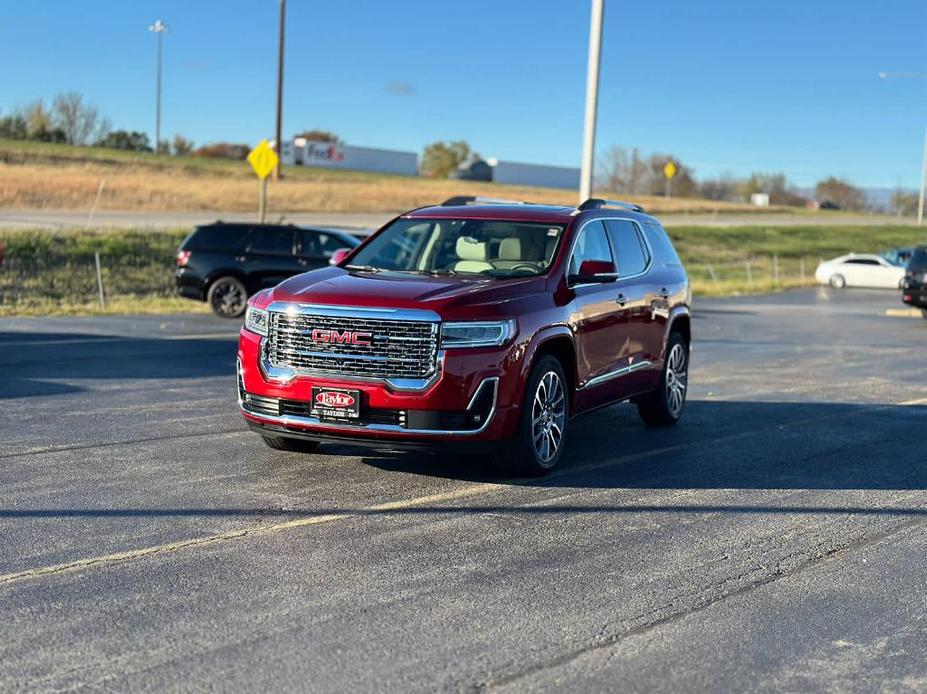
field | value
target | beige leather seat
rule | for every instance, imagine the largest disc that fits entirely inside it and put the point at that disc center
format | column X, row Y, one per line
column 518, row 250
column 473, row 255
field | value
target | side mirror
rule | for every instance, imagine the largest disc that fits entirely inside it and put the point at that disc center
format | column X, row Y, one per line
column 339, row 256
column 595, row 272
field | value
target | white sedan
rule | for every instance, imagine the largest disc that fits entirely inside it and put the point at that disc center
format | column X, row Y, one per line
column 858, row 270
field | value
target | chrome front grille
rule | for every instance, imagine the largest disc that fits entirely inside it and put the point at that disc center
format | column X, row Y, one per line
column 397, row 348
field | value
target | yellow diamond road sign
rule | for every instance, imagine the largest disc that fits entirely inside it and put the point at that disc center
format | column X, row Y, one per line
column 669, row 170
column 263, row 159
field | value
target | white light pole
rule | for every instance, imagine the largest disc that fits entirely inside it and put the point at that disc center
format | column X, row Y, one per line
column 920, row 201
column 592, row 99
column 158, row 28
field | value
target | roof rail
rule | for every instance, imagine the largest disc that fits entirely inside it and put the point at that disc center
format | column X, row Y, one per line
column 596, row 203
column 479, row 200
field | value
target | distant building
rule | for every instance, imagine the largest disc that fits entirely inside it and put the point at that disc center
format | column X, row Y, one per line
column 759, row 199
column 516, row 173
column 335, row 155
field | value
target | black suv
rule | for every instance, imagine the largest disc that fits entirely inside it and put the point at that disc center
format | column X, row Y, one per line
column 225, row 263
column 914, row 287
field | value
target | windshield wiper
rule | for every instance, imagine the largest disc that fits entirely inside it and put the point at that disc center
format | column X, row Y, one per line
column 362, row 268
column 440, row 273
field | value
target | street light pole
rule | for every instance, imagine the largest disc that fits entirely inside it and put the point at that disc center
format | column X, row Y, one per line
column 278, row 140
column 158, row 28
column 592, row 99
column 920, row 202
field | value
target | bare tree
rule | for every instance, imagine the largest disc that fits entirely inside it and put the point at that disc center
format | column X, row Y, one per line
column 80, row 122
column 620, row 171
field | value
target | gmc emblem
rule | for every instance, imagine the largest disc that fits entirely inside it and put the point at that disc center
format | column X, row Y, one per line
column 347, row 337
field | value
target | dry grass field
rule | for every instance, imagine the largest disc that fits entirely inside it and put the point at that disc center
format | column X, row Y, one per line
column 46, row 176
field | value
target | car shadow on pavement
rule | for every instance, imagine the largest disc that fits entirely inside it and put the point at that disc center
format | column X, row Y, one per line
column 720, row 445
column 39, row 363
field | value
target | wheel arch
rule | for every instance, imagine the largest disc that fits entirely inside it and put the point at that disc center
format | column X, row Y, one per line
column 226, row 272
column 556, row 341
column 680, row 321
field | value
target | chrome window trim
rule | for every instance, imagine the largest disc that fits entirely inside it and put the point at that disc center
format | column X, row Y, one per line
column 617, row 373
column 282, row 376
column 620, row 277
column 390, row 428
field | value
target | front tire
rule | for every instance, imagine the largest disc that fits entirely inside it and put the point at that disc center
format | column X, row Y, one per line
column 838, row 281
column 664, row 406
column 541, row 435
column 285, row 443
column 228, row 297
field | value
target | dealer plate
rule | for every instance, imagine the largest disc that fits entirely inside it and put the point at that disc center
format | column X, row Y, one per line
column 335, row 403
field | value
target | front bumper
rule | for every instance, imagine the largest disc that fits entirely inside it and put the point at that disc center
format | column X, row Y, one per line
column 469, row 398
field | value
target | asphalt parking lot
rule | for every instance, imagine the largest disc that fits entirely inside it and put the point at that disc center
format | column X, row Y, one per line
column 774, row 540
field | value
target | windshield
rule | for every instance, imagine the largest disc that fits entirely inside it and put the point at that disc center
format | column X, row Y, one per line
column 465, row 246
column 918, row 262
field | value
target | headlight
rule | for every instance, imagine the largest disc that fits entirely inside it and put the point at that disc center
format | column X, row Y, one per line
column 256, row 320
column 477, row 333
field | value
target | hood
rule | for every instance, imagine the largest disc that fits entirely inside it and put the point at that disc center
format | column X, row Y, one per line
column 334, row 286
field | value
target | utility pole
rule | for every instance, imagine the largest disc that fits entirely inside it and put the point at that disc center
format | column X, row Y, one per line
column 279, row 131
column 158, row 28
column 920, row 202
column 592, row 99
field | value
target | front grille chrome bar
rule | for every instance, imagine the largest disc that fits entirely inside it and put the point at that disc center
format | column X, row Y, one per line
column 400, row 347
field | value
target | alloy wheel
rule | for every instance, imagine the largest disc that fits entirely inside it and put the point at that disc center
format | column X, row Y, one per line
column 548, row 415
column 677, row 379
column 228, row 299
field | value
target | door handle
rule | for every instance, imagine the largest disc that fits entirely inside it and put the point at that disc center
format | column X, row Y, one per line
column 621, row 300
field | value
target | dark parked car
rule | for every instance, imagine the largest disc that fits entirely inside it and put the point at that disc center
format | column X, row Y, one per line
column 223, row 263
column 914, row 289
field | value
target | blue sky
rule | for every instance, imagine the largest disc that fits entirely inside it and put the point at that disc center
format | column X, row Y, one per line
column 729, row 87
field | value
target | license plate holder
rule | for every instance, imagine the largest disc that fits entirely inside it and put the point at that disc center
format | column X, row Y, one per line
column 335, row 403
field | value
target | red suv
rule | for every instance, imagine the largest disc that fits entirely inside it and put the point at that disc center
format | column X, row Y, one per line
column 475, row 320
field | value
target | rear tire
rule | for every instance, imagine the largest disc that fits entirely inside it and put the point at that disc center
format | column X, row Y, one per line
column 284, row 443
column 540, row 438
column 664, row 406
column 228, row 297
column 838, row 281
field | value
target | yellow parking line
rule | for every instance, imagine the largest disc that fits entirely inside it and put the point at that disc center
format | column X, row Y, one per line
column 78, row 564
column 904, row 312
column 464, row 492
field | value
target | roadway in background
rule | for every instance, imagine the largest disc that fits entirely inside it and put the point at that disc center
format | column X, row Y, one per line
column 57, row 219
column 774, row 540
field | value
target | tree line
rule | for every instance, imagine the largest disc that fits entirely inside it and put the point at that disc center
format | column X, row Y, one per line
column 620, row 171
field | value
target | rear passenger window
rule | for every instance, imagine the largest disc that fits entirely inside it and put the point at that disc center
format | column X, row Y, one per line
column 633, row 256
column 591, row 244
column 662, row 246
column 216, row 238
column 271, row 241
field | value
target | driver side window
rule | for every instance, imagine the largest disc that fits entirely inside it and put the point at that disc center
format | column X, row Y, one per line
column 591, row 244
